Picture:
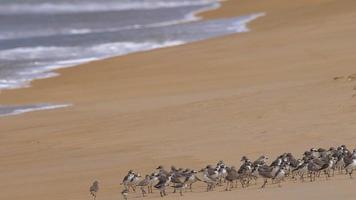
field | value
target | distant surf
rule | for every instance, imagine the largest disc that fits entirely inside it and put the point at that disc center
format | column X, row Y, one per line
column 39, row 36
column 16, row 110
column 75, row 7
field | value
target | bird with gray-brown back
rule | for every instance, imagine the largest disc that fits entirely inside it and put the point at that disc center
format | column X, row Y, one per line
column 94, row 188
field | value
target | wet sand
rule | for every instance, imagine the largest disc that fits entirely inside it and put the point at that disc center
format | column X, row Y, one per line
column 269, row 91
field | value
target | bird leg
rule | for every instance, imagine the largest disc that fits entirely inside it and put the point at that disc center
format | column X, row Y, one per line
column 174, row 188
column 264, row 184
column 143, row 191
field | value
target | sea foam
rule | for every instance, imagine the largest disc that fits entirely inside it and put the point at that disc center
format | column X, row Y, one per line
column 56, row 8
column 16, row 110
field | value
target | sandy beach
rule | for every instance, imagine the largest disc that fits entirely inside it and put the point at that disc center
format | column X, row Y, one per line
column 282, row 87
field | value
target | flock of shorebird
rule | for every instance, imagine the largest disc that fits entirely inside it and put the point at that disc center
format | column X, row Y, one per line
column 313, row 164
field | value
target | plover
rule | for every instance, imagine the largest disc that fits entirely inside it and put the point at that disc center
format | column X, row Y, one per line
column 162, row 184
column 191, row 178
column 314, row 163
column 301, row 169
column 177, row 179
column 313, row 169
column 293, row 163
column 327, row 166
column 210, row 177
column 144, row 183
column 127, row 179
column 94, row 188
column 280, row 174
column 340, row 163
column 153, row 181
column 135, row 180
column 350, row 163
column 232, row 175
column 246, row 173
column 266, row 173
column 222, row 173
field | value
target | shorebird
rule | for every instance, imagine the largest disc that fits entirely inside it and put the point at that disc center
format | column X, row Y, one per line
column 269, row 172
column 127, row 180
column 153, row 181
column 340, row 163
column 222, row 173
column 266, row 173
column 130, row 180
column 135, row 180
column 232, row 175
column 178, row 178
column 246, row 166
column 94, row 188
column 246, row 172
column 313, row 169
column 142, row 184
column 301, row 169
column 163, row 182
column 329, row 163
column 191, row 178
column 210, row 177
column 213, row 172
column 350, row 163
column 280, row 174
column 293, row 163
column 314, row 162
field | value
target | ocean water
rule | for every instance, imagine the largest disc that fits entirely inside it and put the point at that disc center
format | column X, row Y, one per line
column 39, row 36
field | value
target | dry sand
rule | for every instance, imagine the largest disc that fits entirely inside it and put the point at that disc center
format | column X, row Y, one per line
column 268, row 91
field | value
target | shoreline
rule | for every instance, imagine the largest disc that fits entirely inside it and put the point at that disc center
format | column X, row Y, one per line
column 50, row 71
column 281, row 87
column 203, row 14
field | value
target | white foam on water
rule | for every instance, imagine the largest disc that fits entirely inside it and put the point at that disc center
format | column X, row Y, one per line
column 88, row 54
column 16, row 110
column 192, row 16
column 100, row 51
column 241, row 25
column 123, row 48
column 72, row 56
column 75, row 7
